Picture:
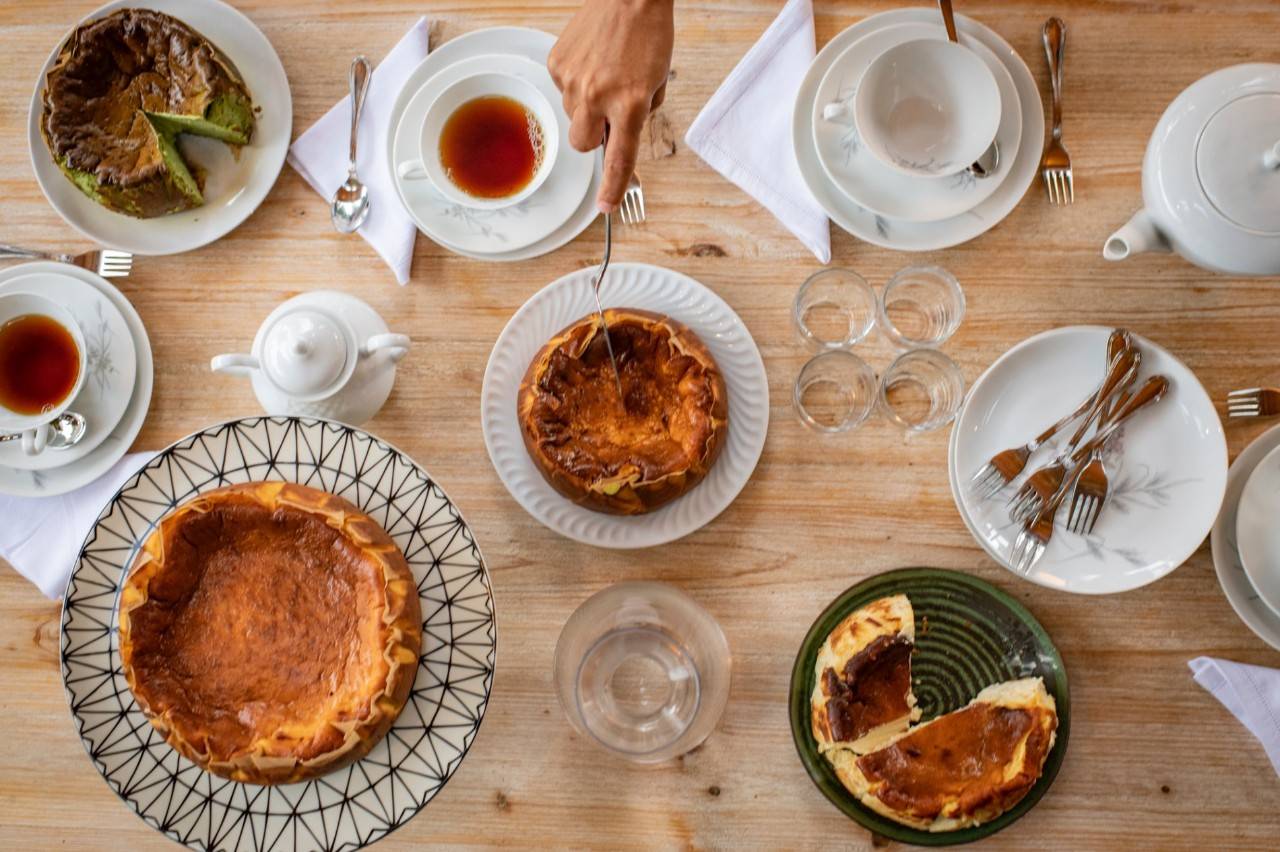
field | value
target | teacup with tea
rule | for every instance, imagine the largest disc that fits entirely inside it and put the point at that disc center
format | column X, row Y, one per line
column 488, row 141
column 42, row 366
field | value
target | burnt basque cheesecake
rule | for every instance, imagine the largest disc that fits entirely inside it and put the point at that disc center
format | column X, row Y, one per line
column 270, row 631
column 121, row 91
column 633, row 455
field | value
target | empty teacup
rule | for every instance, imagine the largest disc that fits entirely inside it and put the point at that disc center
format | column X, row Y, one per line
column 487, row 141
column 927, row 107
column 42, row 366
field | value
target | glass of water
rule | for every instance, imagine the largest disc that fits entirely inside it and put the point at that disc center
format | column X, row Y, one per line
column 834, row 392
column 921, row 390
column 643, row 670
column 834, row 309
column 920, row 306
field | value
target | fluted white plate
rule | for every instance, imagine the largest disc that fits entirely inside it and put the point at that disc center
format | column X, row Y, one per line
column 629, row 285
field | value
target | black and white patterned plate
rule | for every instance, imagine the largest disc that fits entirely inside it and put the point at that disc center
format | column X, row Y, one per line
column 351, row 807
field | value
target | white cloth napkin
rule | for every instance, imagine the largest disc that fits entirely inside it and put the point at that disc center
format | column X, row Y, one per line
column 320, row 154
column 1251, row 693
column 744, row 131
column 41, row 536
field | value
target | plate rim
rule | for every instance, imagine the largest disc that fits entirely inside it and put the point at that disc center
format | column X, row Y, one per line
column 36, row 146
column 1244, row 563
column 798, row 706
column 133, row 479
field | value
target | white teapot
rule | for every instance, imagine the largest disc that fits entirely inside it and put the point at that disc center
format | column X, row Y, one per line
column 321, row 354
column 1211, row 176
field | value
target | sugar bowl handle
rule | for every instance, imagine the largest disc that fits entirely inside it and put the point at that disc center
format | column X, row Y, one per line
column 234, row 365
column 396, row 345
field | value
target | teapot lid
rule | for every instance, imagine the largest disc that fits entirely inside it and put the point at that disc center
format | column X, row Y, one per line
column 305, row 352
column 1238, row 161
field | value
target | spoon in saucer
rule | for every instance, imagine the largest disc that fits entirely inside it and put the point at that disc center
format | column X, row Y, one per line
column 351, row 202
column 67, row 430
column 985, row 165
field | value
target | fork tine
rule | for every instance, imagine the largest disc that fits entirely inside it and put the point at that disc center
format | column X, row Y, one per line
column 629, row 209
column 640, row 201
column 1062, row 189
column 1048, row 185
column 1092, row 520
column 1071, row 187
column 1244, row 392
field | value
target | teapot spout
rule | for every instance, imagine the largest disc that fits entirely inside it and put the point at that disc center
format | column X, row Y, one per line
column 1137, row 235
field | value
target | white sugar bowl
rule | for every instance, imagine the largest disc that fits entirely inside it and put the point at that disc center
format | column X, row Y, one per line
column 321, row 354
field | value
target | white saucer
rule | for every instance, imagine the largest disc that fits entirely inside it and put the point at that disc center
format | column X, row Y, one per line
column 236, row 184
column 506, row 228
column 1167, row 469
column 59, row 480
column 919, row 236
column 1241, row 594
column 856, row 172
column 111, row 365
column 634, row 285
column 1258, row 529
column 518, row 41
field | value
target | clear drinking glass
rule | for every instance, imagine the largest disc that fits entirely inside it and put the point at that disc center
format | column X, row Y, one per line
column 921, row 306
column 921, row 390
column 643, row 670
column 834, row 392
column 834, row 309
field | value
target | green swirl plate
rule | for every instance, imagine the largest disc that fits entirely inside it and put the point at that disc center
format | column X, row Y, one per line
column 969, row 635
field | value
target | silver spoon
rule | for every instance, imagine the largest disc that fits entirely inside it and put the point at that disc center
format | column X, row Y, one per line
column 68, row 428
column 985, row 165
column 351, row 201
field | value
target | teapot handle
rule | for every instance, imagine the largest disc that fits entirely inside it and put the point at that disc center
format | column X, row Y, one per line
column 234, row 365
column 397, row 345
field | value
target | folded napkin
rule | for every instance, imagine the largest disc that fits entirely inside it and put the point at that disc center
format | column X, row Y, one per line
column 320, row 154
column 1251, row 693
column 41, row 536
column 744, row 131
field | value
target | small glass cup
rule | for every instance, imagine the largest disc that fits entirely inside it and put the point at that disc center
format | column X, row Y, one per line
column 834, row 309
column 921, row 390
column 834, row 392
column 920, row 306
column 643, row 670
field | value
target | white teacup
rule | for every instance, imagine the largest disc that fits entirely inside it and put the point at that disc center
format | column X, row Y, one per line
column 35, row 428
column 485, row 84
column 927, row 107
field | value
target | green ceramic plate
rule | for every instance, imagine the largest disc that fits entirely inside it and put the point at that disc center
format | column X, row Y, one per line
column 969, row 634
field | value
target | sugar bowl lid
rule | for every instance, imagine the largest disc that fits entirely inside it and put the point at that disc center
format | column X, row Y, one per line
column 306, row 352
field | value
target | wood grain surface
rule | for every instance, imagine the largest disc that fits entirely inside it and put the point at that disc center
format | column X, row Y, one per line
column 1153, row 759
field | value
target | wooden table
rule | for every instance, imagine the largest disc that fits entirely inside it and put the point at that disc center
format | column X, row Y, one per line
column 1153, row 759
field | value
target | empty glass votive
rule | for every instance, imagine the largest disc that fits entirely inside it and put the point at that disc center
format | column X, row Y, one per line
column 920, row 306
column 834, row 309
column 921, row 390
column 835, row 391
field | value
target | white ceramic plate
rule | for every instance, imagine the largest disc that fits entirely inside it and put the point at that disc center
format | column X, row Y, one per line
column 111, row 364
column 1258, row 529
column 632, row 285
column 59, row 480
column 1167, row 469
column 919, row 236
column 1241, row 594
column 851, row 167
column 505, row 228
column 235, row 185
column 350, row 807
column 518, row 41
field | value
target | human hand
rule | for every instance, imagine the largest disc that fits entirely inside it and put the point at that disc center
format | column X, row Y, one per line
column 611, row 64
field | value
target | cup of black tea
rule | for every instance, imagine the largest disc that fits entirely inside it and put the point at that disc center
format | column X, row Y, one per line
column 488, row 141
column 42, row 366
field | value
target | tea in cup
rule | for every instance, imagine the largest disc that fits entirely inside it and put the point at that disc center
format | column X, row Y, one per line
column 42, row 366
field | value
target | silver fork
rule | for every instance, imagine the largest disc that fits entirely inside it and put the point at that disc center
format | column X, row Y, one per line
column 632, row 209
column 1092, row 485
column 1254, row 402
column 108, row 263
column 1055, row 164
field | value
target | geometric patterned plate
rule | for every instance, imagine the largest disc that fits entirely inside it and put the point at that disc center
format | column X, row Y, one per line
column 351, row 807
column 969, row 635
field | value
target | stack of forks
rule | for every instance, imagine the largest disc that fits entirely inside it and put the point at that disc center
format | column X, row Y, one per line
column 1078, row 470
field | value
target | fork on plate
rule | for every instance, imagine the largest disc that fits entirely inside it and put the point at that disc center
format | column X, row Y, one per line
column 1055, row 164
column 1091, row 486
column 1254, row 402
column 632, row 207
column 108, row 263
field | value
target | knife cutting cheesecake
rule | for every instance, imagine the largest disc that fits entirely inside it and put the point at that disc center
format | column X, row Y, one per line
column 270, row 631
column 956, row 770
